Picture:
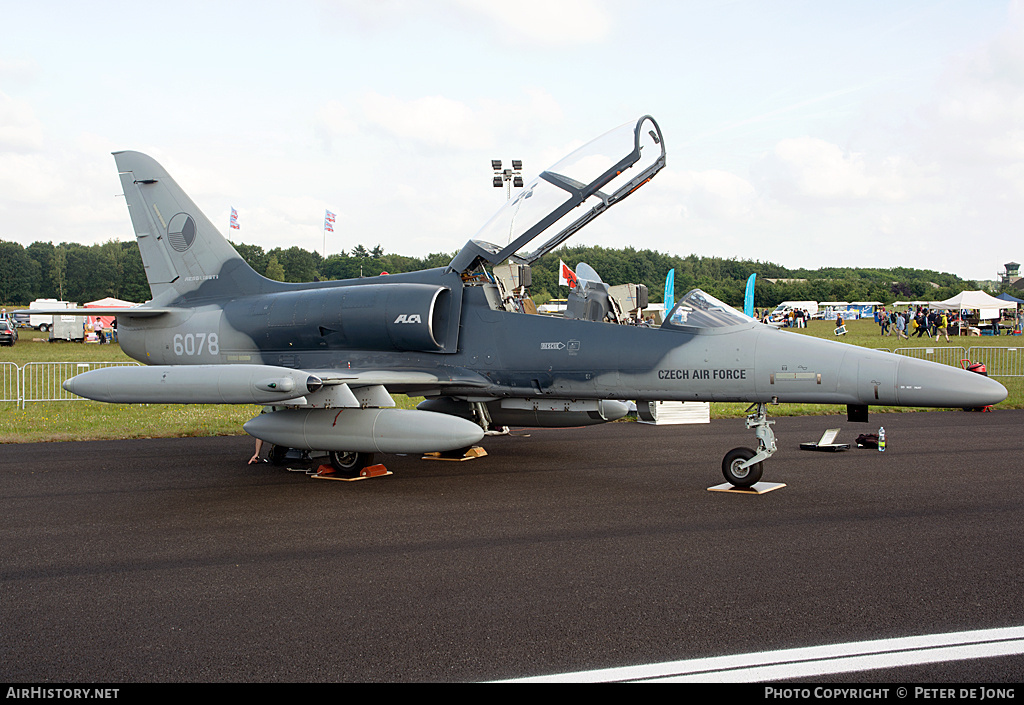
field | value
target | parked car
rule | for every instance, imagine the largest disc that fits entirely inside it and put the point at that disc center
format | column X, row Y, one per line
column 8, row 333
column 21, row 319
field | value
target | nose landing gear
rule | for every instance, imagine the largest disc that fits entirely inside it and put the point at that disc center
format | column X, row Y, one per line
column 743, row 467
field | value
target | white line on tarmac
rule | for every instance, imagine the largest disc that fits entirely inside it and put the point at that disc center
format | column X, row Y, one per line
column 812, row 661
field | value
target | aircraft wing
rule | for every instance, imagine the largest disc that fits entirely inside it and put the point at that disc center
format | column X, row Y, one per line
column 403, row 381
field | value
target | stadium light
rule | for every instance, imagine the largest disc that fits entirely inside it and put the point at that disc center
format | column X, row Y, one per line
column 509, row 177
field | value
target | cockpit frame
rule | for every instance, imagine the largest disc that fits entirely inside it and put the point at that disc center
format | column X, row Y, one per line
column 576, row 193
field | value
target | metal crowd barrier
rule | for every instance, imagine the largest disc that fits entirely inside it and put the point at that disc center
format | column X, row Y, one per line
column 998, row 361
column 9, row 386
column 943, row 355
column 41, row 381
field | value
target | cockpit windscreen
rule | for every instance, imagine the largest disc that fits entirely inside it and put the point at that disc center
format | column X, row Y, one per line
column 699, row 310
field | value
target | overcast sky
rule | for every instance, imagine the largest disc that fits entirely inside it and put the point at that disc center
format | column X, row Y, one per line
column 808, row 133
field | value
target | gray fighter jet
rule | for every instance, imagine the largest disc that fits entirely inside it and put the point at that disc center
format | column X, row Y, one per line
column 325, row 357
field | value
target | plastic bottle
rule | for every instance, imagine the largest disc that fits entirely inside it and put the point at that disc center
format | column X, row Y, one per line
column 881, row 439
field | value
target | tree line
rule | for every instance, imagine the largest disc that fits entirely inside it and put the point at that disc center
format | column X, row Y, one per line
column 82, row 273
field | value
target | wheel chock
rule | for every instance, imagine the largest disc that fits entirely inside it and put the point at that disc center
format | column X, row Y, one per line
column 373, row 471
column 474, row 452
column 756, row 488
column 327, row 472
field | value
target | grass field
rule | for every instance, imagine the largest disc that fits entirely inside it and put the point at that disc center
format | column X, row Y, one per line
column 86, row 420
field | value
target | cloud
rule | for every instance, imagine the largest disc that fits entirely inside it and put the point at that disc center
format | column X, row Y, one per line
column 555, row 23
column 18, row 70
column 977, row 115
column 545, row 22
column 433, row 121
column 333, row 122
column 808, row 170
column 713, row 194
column 20, row 130
column 29, row 178
column 436, row 122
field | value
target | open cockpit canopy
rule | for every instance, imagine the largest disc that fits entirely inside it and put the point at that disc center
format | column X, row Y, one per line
column 567, row 196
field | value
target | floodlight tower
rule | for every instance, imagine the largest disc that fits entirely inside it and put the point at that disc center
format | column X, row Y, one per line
column 509, row 177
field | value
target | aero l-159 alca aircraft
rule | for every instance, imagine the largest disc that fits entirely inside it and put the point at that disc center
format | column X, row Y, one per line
column 328, row 355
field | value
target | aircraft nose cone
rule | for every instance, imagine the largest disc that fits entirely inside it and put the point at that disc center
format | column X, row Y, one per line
column 920, row 383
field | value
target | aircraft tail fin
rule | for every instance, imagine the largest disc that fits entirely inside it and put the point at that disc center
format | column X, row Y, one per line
column 185, row 256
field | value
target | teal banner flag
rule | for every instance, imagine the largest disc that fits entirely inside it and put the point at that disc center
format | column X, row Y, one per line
column 670, row 290
column 748, row 298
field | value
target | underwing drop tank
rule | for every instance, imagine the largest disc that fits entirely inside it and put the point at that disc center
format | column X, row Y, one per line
column 365, row 430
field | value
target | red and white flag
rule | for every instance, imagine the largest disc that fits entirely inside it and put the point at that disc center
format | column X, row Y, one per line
column 566, row 277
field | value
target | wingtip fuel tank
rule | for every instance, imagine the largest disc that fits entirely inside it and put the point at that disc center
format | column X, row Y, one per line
column 194, row 384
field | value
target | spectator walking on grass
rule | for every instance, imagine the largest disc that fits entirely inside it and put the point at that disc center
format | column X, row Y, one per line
column 901, row 328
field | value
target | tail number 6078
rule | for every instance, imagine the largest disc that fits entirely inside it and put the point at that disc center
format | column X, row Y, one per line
column 193, row 343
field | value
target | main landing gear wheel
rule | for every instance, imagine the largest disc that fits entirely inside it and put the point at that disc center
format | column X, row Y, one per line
column 278, row 455
column 737, row 475
column 349, row 462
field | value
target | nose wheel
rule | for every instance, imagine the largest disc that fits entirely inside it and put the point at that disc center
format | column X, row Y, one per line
column 743, row 467
column 738, row 470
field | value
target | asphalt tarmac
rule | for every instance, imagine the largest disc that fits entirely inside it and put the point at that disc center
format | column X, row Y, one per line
column 562, row 551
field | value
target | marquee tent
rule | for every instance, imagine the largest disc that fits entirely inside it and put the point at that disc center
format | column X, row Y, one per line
column 988, row 306
column 108, row 302
column 975, row 299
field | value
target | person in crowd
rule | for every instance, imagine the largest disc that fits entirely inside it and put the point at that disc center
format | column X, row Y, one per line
column 942, row 325
column 922, row 324
column 840, row 328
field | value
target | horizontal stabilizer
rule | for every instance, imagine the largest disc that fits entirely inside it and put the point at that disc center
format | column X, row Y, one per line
column 134, row 312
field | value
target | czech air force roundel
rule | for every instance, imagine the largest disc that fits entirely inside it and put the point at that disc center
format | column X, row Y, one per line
column 181, row 232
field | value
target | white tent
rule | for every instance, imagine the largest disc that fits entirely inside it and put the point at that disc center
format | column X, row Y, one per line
column 975, row 299
column 987, row 306
column 929, row 304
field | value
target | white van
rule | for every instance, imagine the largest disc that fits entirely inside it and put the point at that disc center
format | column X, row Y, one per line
column 41, row 321
column 782, row 311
